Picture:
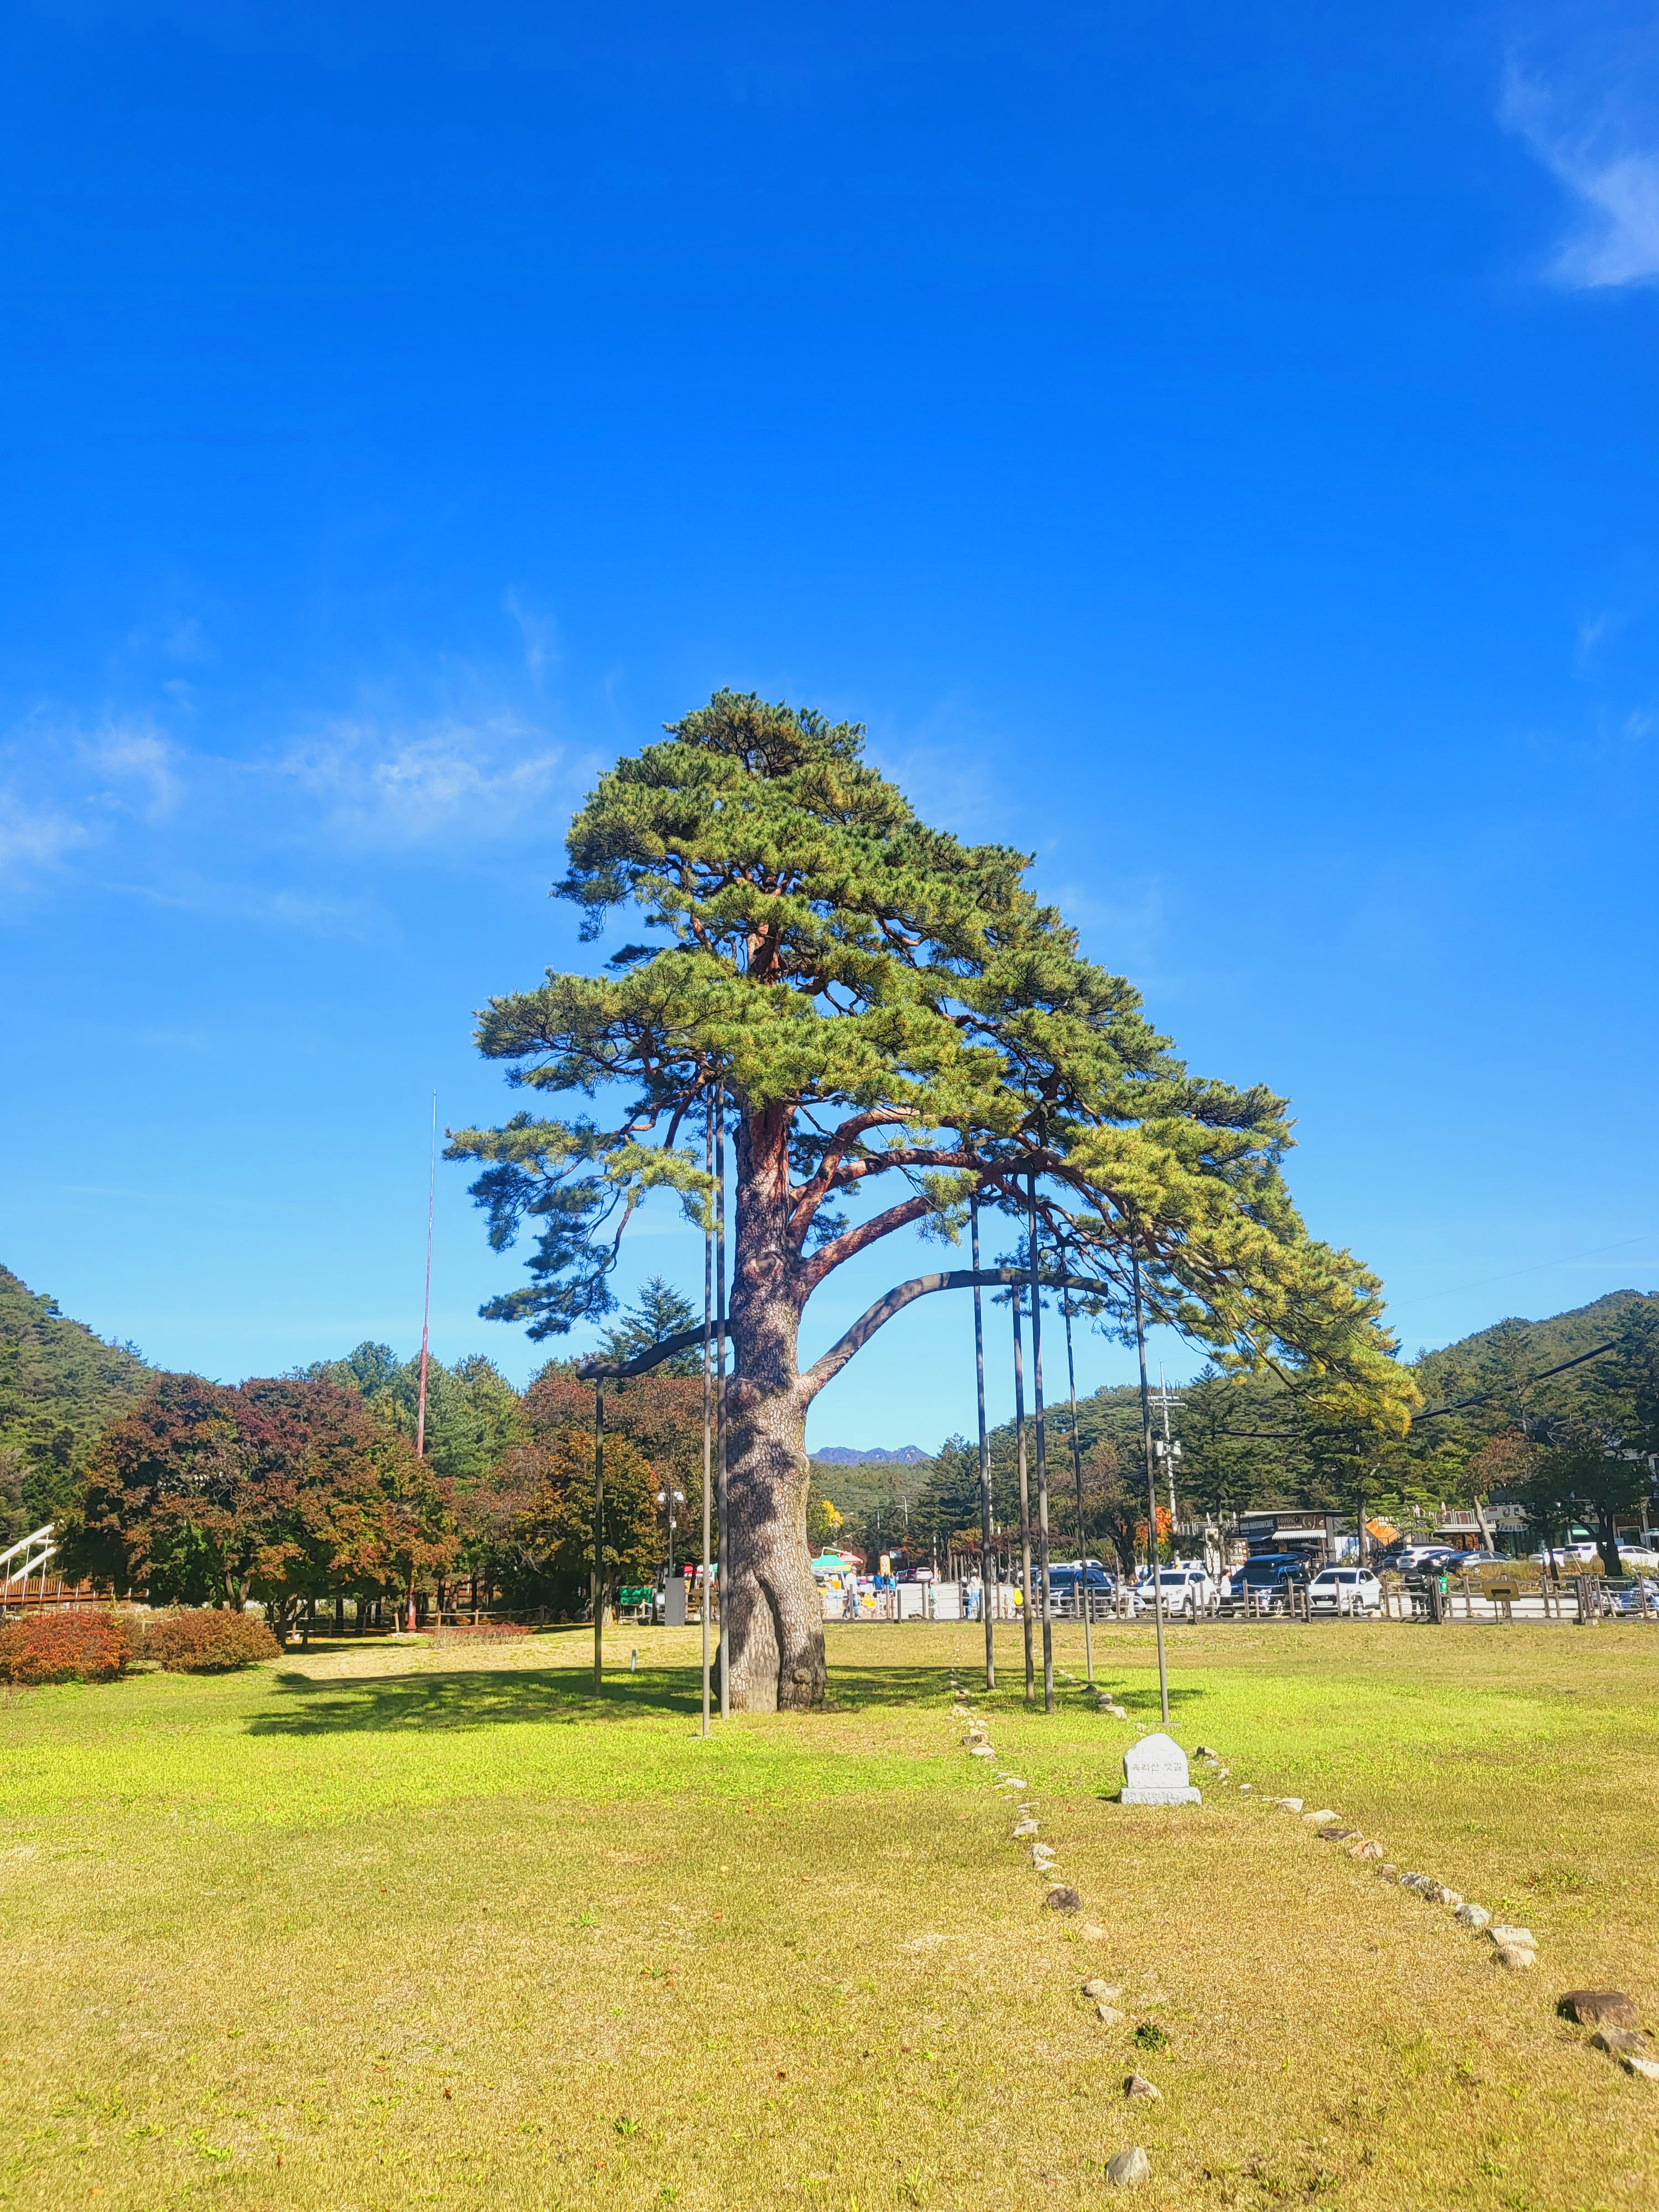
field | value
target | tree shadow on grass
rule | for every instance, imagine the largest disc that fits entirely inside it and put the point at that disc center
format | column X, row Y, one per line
column 473, row 1698
column 460, row 1697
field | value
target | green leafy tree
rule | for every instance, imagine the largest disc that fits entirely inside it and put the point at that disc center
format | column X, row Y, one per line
column 1579, row 1473
column 657, row 1314
column 557, row 1527
column 474, row 1416
column 893, row 1024
column 60, row 1385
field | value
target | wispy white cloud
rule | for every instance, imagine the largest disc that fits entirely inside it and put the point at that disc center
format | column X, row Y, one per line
column 1607, row 155
column 538, row 631
column 139, row 770
column 34, row 838
column 457, row 782
column 217, row 832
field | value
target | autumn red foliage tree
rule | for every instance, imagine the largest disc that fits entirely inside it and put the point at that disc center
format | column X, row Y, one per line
column 278, row 1491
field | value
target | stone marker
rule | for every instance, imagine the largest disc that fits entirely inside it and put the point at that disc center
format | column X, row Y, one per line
column 1024, row 1828
column 1613, row 2040
column 1137, row 2086
column 1338, row 1835
column 1091, row 1933
column 1061, row 1899
column 1320, row 1819
column 1128, row 2168
column 1108, row 2016
column 1632, row 2064
column 1515, row 1956
column 1474, row 1915
column 1599, row 2008
column 980, row 1750
column 1204, row 1751
column 1291, row 1804
column 1504, row 1934
column 1365, row 1851
column 1103, row 1992
column 1155, row 1773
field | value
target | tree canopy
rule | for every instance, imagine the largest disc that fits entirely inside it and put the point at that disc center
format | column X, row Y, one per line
column 896, row 1006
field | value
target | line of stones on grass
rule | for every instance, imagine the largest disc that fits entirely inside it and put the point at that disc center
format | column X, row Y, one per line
column 1611, row 2013
column 1125, row 2169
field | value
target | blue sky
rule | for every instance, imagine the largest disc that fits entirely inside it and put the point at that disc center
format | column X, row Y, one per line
column 1214, row 450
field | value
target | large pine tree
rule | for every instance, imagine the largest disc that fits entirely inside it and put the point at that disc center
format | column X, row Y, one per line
column 895, row 1025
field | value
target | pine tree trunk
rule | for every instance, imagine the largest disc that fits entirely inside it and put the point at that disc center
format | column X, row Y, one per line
column 770, row 1613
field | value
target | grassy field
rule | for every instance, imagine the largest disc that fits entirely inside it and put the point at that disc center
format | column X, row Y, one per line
column 382, row 1926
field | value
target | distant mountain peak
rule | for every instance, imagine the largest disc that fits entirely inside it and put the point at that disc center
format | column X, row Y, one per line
column 844, row 1455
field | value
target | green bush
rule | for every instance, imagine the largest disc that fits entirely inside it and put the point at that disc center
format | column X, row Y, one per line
column 67, row 1646
column 205, row 1641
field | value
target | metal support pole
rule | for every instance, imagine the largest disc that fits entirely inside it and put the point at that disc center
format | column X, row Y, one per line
column 1042, row 1451
column 1077, row 1470
column 1024, row 1502
column 1151, row 1488
column 986, row 1584
column 708, row 1406
column 719, row 1399
column 598, row 1535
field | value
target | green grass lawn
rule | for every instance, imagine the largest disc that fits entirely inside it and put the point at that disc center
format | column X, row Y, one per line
column 379, row 1926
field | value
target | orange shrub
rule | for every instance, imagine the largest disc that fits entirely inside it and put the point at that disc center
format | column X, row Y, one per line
column 205, row 1641
column 66, row 1647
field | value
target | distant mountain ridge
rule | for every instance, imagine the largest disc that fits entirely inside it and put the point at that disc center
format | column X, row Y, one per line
column 844, row 1455
column 1534, row 1345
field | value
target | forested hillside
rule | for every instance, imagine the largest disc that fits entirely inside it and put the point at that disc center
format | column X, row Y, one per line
column 59, row 1385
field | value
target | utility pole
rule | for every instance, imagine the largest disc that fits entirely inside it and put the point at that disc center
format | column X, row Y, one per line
column 598, row 1535
column 720, row 1391
column 1042, row 1451
column 1024, row 1500
column 1152, row 1486
column 985, row 1582
column 1076, row 1471
column 1168, row 1452
column 707, row 1403
column 425, row 1326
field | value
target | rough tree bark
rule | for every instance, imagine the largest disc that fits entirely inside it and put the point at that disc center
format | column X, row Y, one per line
column 770, row 1613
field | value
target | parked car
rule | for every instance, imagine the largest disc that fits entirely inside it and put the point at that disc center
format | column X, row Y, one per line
column 1188, row 1591
column 1341, row 1591
column 1265, row 1583
column 1575, row 1552
column 1638, row 1560
column 1066, row 1574
column 1412, row 1558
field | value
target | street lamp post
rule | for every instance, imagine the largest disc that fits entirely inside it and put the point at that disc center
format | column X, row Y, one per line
column 670, row 1498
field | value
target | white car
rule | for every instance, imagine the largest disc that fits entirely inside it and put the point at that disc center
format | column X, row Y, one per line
column 1638, row 1560
column 1341, row 1591
column 1186, row 1589
column 1566, row 1555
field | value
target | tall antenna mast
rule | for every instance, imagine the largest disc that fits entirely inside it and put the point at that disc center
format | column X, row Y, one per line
column 426, row 1310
